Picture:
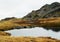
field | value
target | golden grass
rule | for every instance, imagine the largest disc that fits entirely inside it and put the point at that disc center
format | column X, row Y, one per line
column 48, row 22
column 44, row 22
column 27, row 39
column 6, row 25
column 2, row 33
column 10, row 24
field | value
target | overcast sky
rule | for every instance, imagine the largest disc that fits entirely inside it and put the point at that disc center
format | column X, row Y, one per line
column 19, row 8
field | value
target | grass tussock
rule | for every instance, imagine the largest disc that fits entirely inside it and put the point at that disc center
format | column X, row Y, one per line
column 2, row 33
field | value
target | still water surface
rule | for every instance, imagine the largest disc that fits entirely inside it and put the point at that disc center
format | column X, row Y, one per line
column 37, row 31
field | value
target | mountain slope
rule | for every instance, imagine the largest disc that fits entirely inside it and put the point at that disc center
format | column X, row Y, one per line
column 48, row 10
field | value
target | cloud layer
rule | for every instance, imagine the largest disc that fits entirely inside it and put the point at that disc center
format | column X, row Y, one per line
column 19, row 8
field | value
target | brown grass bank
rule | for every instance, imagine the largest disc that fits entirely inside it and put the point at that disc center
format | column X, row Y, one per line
column 27, row 39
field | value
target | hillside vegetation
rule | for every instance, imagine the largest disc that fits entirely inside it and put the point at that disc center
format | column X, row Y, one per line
column 22, row 23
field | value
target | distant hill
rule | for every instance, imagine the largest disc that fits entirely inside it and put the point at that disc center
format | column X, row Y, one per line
column 9, row 18
column 46, row 11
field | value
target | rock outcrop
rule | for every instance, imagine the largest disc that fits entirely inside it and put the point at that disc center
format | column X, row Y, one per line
column 47, row 11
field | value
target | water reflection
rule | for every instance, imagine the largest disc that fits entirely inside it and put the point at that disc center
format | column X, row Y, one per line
column 35, row 32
